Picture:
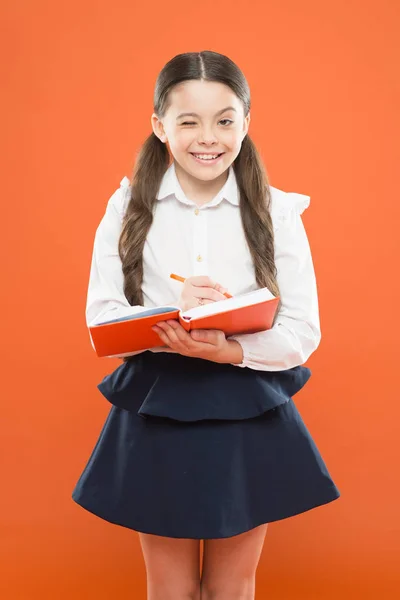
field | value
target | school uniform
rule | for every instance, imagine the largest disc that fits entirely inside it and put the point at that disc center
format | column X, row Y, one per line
column 193, row 448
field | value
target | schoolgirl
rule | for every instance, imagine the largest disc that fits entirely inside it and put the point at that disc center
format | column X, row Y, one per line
column 203, row 440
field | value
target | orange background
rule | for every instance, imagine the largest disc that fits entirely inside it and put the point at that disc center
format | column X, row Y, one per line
column 77, row 83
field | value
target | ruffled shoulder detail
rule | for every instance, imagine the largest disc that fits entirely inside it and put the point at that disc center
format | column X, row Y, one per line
column 125, row 182
column 185, row 389
column 121, row 196
column 283, row 204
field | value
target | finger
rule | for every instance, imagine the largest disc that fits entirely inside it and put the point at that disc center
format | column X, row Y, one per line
column 177, row 336
column 209, row 293
column 161, row 334
column 201, row 280
column 176, row 326
column 206, row 336
column 198, row 335
column 205, row 301
column 221, row 288
column 205, row 281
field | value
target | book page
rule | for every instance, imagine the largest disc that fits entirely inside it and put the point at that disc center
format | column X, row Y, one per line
column 157, row 310
column 248, row 299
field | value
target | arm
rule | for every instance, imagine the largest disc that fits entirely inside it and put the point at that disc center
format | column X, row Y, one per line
column 105, row 296
column 296, row 331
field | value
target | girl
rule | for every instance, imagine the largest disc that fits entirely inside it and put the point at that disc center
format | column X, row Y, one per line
column 203, row 440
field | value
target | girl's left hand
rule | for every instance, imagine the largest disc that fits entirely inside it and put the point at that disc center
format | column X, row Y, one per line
column 210, row 344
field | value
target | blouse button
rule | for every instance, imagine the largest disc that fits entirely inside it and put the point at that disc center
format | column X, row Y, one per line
column 196, row 212
column 199, row 258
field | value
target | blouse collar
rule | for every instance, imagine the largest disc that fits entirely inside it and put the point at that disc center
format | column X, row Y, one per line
column 170, row 186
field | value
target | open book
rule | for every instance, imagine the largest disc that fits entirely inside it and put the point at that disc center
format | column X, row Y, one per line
column 245, row 313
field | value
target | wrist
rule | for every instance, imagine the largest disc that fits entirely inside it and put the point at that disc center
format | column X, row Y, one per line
column 235, row 352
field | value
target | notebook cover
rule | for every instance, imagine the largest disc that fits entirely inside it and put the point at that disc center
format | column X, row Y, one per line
column 246, row 319
column 129, row 336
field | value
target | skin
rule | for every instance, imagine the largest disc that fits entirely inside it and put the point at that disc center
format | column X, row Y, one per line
column 229, row 565
column 212, row 131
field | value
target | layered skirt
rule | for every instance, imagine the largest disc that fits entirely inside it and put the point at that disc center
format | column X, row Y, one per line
column 196, row 449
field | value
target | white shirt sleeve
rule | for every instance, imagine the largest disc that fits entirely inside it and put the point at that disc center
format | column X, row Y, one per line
column 296, row 332
column 105, row 296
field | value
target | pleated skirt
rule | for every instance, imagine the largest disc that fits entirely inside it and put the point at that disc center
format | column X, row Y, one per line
column 196, row 449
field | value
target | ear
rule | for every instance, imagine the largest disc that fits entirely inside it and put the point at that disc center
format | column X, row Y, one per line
column 246, row 124
column 158, row 128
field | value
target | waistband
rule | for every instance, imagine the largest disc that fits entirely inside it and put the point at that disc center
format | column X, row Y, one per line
column 190, row 389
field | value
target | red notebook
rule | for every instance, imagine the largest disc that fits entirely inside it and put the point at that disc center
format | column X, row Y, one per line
column 245, row 313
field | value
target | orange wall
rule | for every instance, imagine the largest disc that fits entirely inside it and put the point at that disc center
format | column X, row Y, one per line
column 77, row 90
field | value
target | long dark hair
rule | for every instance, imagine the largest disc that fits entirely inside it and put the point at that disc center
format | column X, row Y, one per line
column 153, row 160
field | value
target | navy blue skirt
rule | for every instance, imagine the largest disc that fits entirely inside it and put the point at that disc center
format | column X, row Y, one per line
column 196, row 449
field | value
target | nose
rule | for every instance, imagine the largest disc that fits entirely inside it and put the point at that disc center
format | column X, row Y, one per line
column 207, row 138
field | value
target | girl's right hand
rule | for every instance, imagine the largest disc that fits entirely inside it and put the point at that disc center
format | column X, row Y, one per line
column 200, row 286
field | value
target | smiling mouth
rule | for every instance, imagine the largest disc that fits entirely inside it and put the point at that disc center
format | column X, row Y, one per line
column 206, row 156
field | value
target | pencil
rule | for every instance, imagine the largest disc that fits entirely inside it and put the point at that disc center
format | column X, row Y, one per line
column 182, row 279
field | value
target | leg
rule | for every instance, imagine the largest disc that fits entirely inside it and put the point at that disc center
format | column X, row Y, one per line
column 172, row 567
column 230, row 564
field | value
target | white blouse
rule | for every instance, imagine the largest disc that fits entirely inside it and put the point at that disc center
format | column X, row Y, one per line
column 209, row 240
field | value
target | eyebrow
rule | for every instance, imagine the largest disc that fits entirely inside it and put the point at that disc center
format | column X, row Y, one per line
column 191, row 114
